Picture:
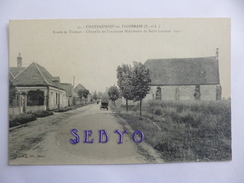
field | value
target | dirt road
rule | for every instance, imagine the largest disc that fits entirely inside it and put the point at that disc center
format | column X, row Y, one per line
column 47, row 141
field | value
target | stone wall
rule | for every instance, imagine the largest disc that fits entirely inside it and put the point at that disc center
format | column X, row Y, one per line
column 15, row 110
column 35, row 108
column 208, row 92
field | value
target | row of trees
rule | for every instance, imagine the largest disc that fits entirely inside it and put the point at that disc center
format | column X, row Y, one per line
column 134, row 82
column 113, row 93
column 96, row 95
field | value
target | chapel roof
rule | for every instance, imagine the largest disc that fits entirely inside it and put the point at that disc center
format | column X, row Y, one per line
column 79, row 87
column 184, row 71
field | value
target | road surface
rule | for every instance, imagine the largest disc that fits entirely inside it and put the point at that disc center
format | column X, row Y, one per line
column 47, row 141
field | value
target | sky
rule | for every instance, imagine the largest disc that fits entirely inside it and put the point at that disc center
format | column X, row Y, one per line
column 91, row 50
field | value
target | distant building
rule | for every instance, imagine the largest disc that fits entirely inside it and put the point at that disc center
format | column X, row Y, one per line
column 79, row 87
column 69, row 93
column 77, row 100
column 185, row 78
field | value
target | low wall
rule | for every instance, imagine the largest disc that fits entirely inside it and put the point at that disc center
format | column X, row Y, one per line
column 15, row 110
column 19, row 110
column 208, row 92
column 35, row 108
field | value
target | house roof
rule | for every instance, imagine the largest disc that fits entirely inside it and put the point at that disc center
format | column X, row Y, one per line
column 34, row 75
column 55, row 78
column 10, row 76
column 68, row 88
column 184, row 71
column 15, row 70
column 79, row 87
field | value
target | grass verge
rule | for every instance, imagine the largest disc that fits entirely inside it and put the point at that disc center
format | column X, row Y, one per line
column 15, row 120
column 41, row 114
column 191, row 130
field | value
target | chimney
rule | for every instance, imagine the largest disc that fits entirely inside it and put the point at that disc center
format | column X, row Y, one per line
column 217, row 53
column 217, row 59
column 19, row 63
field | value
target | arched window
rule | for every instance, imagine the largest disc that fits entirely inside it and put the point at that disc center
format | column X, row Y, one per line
column 158, row 93
column 197, row 93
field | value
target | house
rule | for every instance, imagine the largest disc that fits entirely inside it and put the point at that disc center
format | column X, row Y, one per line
column 37, row 88
column 185, row 78
column 79, row 87
column 69, row 93
column 77, row 100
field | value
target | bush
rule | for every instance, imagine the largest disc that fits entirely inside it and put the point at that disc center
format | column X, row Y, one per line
column 63, row 109
column 196, row 131
column 15, row 120
column 41, row 114
column 158, row 111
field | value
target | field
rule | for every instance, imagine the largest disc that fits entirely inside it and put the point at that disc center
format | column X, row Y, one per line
column 189, row 130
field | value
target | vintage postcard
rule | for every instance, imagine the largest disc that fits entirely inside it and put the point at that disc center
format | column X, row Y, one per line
column 119, row 91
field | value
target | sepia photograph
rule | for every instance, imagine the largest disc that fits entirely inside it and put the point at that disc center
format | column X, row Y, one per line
column 119, row 91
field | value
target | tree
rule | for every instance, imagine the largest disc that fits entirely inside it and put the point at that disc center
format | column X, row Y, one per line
column 85, row 94
column 104, row 97
column 95, row 95
column 124, row 76
column 12, row 94
column 99, row 95
column 141, row 82
column 80, row 94
column 113, row 93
